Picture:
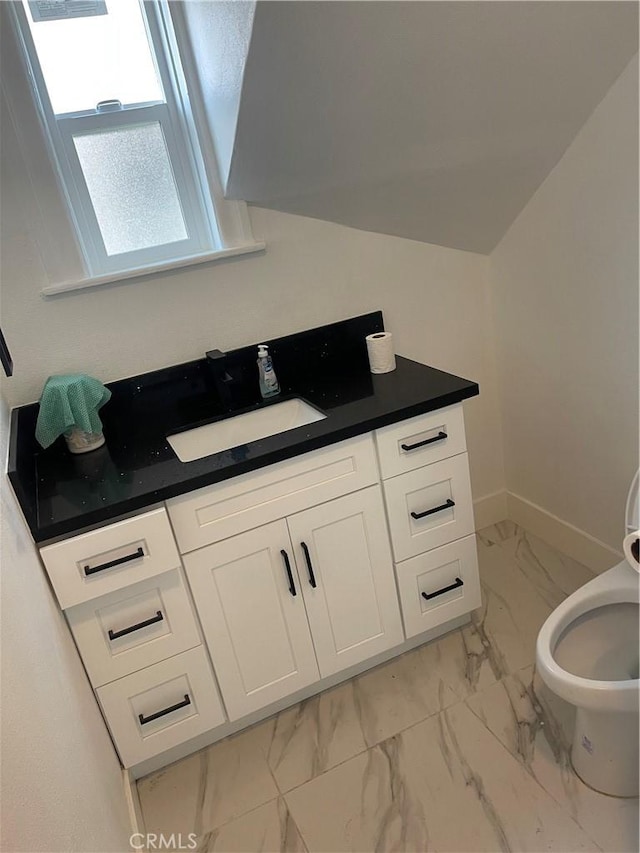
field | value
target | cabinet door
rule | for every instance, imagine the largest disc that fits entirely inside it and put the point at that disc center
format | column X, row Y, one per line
column 253, row 616
column 343, row 554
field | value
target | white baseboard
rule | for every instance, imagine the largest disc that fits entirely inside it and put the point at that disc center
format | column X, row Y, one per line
column 133, row 804
column 490, row 509
column 583, row 547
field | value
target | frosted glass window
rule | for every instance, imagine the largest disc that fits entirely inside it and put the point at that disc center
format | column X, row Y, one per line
column 112, row 95
column 85, row 60
column 132, row 187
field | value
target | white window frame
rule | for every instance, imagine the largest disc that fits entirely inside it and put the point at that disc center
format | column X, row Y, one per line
column 188, row 143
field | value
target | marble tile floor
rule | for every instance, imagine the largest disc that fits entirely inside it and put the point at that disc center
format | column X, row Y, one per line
column 454, row 746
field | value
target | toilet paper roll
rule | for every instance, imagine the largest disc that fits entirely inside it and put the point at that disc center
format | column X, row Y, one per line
column 631, row 548
column 380, row 349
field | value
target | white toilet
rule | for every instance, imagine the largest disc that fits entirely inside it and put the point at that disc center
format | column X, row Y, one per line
column 587, row 653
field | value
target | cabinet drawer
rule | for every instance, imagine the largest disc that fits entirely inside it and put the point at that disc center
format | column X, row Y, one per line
column 438, row 586
column 420, row 441
column 250, row 500
column 111, row 557
column 161, row 706
column 429, row 507
column 134, row 627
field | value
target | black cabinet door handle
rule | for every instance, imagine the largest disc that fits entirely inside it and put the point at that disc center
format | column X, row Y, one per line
column 5, row 356
column 186, row 701
column 459, row 582
column 91, row 571
column 114, row 635
column 287, row 565
column 446, row 505
column 439, row 437
column 307, row 556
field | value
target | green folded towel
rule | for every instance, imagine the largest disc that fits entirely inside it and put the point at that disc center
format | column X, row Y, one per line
column 67, row 402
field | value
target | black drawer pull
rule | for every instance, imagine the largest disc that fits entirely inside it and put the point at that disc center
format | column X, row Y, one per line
column 448, row 505
column 186, row 701
column 91, row 571
column 439, row 437
column 459, row 582
column 287, row 565
column 307, row 556
column 114, row 635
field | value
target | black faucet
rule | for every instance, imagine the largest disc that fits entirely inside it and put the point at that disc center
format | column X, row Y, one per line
column 217, row 361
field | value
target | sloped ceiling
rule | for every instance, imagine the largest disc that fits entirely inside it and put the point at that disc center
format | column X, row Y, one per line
column 435, row 121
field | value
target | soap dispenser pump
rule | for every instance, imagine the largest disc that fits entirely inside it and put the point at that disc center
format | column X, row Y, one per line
column 269, row 385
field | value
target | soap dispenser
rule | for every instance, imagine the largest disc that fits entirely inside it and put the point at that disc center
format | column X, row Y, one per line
column 269, row 385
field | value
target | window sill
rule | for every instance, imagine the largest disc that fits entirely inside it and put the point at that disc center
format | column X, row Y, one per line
column 151, row 269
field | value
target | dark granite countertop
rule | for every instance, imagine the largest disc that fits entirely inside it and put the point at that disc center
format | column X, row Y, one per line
column 61, row 494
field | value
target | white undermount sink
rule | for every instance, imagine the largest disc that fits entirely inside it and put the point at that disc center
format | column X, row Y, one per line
column 242, row 429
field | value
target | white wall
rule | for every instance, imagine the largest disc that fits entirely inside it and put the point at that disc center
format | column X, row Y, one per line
column 565, row 294
column 435, row 300
column 61, row 781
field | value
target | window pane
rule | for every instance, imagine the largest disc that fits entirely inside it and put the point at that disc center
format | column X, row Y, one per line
column 132, row 187
column 86, row 60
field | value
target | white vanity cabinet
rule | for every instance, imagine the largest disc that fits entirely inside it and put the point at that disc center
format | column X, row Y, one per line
column 297, row 600
column 227, row 603
column 427, row 492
